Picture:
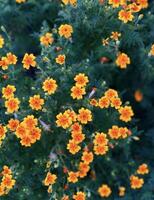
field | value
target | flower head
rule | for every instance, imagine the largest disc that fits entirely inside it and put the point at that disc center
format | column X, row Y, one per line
column 65, row 30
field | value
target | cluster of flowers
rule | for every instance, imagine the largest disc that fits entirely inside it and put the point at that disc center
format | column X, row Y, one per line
column 128, row 8
column 7, row 181
column 9, row 59
column 78, row 90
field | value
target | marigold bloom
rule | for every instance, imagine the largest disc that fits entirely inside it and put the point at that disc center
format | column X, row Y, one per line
column 116, row 103
column 26, row 140
column 63, row 120
column 77, row 92
column 83, row 169
column 100, row 139
column 104, row 102
column 8, row 91
column 84, row 116
column 13, row 124
column 136, row 182
column 4, row 63
column 2, row 132
column 36, row 102
column 143, row 3
column 12, row 105
column 100, row 149
column 11, row 58
column 126, row 113
column 30, row 122
column 81, row 80
column 104, row 190
column 115, row 3
column 20, row 1
column 78, row 137
column 79, row 196
column 1, row 41
column 46, row 39
column 71, row 114
column 134, row 7
column 114, row 132
column 93, row 102
column 152, row 50
column 29, row 60
column 125, row 16
column 65, row 30
column 2, row 190
column 122, row 60
column 143, row 169
column 111, row 93
column 50, row 179
column 138, row 95
column 87, row 157
column 76, row 128
column 122, row 191
column 8, row 182
column 60, row 59
column 124, row 132
column 6, row 170
column 115, row 36
column 73, row 147
column 49, row 86
column 73, row 177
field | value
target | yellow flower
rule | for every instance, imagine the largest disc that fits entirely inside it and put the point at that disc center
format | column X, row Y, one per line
column 36, row 102
column 126, row 113
column 60, row 59
column 11, row 58
column 115, row 35
column 12, row 105
column 152, row 50
column 20, row 1
column 122, row 60
column 84, row 116
column 104, row 190
column 50, row 179
column 29, row 60
column 125, row 16
column 63, row 120
column 4, row 63
column 115, row 3
column 8, row 91
column 1, row 41
column 122, row 191
column 49, row 86
column 77, row 92
column 65, row 30
column 46, row 39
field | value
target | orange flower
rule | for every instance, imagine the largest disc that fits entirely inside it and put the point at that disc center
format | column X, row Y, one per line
column 26, row 140
column 50, row 179
column 143, row 3
column 73, row 147
column 12, row 105
column 77, row 92
column 100, row 139
column 126, row 113
column 134, row 7
column 143, row 169
column 114, row 132
column 138, row 95
column 71, row 114
column 78, row 137
column 29, row 60
column 49, row 86
column 63, row 120
column 36, row 102
column 104, row 190
column 115, row 3
column 84, row 116
column 87, row 157
column 35, row 134
column 79, row 196
column 60, row 59
column 115, row 36
column 2, row 190
column 20, row 1
column 83, row 169
column 46, row 39
column 8, row 182
column 152, row 50
column 21, row 130
column 11, row 58
column 122, row 60
column 124, row 132
column 65, row 30
column 101, row 149
column 73, row 177
column 125, row 16
column 6, row 170
column 76, row 128
column 104, row 102
column 136, row 182
column 116, row 103
column 122, row 191
column 2, row 132
column 30, row 122
column 1, row 41
column 93, row 102
column 81, row 80
column 111, row 93
column 8, row 91
column 13, row 124
column 4, row 63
